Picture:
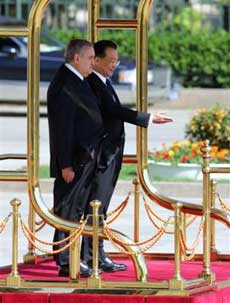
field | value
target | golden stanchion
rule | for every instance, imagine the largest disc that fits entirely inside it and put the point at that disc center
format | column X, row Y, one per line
column 206, row 273
column 95, row 280
column 214, row 252
column 136, row 184
column 74, row 259
column 177, row 282
column 14, row 278
column 183, row 229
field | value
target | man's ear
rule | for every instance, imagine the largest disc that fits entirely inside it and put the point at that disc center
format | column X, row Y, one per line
column 76, row 58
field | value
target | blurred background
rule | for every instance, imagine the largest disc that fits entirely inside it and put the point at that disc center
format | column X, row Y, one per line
column 189, row 43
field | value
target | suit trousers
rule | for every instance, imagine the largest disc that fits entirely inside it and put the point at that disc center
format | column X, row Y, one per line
column 102, row 190
column 70, row 202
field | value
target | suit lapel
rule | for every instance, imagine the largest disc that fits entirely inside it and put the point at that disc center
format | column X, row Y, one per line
column 110, row 92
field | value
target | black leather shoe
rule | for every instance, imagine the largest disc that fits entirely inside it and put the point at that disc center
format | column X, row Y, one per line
column 63, row 271
column 85, row 271
column 109, row 266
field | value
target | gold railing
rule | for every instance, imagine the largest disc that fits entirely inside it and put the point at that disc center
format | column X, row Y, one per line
column 140, row 24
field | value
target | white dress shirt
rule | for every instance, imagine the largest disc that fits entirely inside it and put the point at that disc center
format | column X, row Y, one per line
column 70, row 67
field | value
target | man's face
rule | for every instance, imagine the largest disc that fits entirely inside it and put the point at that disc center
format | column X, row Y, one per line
column 107, row 64
column 84, row 61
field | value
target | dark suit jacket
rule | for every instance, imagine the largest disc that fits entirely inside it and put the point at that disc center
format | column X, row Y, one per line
column 75, row 122
column 114, row 115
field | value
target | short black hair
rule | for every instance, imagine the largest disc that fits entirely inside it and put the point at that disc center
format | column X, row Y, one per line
column 101, row 46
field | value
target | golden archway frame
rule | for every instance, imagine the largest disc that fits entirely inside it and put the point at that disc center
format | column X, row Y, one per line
column 140, row 24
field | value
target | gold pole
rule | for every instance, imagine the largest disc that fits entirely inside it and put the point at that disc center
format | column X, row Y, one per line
column 206, row 273
column 14, row 278
column 74, row 259
column 183, row 228
column 136, row 184
column 214, row 251
column 142, row 67
column 93, row 15
column 95, row 280
column 177, row 282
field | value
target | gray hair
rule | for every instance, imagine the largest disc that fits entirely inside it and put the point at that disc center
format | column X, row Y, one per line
column 75, row 46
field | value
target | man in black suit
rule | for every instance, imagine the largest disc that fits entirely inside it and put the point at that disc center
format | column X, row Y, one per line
column 114, row 115
column 75, row 131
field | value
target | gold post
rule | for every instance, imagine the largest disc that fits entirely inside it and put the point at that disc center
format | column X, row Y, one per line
column 95, row 280
column 136, row 184
column 142, row 67
column 74, row 259
column 206, row 273
column 14, row 278
column 93, row 15
column 177, row 282
column 214, row 252
column 183, row 228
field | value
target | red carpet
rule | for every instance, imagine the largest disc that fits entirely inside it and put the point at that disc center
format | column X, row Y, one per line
column 158, row 271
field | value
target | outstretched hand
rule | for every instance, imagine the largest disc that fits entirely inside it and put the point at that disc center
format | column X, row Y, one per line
column 160, row 118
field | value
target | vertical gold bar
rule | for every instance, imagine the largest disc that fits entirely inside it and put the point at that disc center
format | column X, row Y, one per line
column 143, row 12
column 95, row 280
column 177, row 273
column 93, row 16
column 136, row 184
column 213, row 231
column 183, row 228
column 14, row 278
column 74, row 259
column 33, row 102
column 95, row 205
column 177, row 282
column 206, row 273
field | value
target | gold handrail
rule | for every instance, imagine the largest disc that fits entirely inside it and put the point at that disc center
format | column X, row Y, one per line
column 129, row 24
column 12, row 30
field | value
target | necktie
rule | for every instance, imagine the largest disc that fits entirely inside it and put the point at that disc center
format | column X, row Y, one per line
column 109, row 85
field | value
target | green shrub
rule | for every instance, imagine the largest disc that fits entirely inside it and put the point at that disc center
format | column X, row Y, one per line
column 66, row 35
column 212, row 124
column 201, row 59
column 188, row 19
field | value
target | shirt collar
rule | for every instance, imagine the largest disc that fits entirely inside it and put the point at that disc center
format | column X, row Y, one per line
column 70, row 67
column 103, row 79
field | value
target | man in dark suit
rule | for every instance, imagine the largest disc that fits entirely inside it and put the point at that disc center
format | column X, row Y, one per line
column 114, row 115
column 75, row 131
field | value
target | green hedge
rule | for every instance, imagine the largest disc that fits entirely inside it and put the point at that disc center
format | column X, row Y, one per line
column 200, row 59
